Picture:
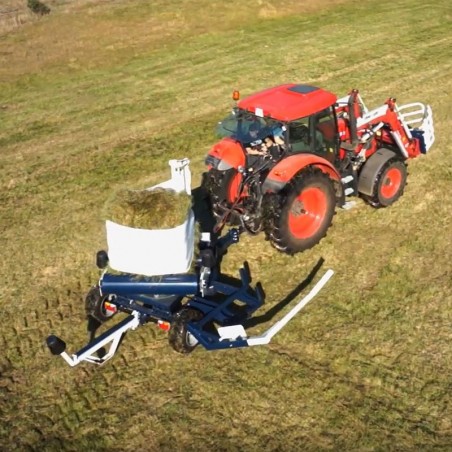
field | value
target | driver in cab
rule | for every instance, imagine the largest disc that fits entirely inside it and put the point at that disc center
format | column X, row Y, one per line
column 269, row 146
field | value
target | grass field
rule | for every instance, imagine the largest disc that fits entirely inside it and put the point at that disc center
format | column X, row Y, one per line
column 97, row 96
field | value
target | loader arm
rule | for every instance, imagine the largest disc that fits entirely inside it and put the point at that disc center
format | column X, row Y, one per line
column 408, row 127
column 396, row 122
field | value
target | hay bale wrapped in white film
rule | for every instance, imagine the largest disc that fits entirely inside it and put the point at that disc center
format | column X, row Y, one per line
column 160, row 251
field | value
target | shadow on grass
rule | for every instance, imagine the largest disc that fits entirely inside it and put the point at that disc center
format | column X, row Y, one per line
column 270, row 314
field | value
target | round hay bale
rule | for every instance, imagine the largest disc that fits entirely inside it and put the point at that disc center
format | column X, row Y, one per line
column 148, row 209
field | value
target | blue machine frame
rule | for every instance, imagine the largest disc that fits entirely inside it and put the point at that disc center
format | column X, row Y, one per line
column 224, row 305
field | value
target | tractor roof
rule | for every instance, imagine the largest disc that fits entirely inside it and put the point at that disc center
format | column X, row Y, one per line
column 288, row 102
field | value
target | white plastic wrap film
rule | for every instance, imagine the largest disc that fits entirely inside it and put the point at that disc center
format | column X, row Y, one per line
column 151, row 252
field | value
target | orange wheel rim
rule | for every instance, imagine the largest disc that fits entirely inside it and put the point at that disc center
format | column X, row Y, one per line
column 307, row 213
column 391, row 183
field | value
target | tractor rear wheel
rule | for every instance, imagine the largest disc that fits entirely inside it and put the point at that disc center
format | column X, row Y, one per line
column 303, row 212
column 389, row 184
column 180, row 338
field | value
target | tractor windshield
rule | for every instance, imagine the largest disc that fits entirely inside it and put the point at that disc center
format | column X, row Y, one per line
column 245, row 127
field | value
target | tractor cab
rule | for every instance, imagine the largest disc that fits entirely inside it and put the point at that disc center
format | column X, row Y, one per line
column 297, row 118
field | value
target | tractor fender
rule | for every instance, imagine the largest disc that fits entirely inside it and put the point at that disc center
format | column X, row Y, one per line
column 226, row 154
column 286, row 169
column 371, row 169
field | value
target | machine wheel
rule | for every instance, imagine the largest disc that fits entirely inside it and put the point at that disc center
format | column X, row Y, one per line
column 389, row 184
column 179, row 337
column 95, row 305
column 304, row 212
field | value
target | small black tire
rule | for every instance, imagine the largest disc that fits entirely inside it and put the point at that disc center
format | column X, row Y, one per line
column 389, row 184
column 95, row 305
column 304, row 212
column 179, row 337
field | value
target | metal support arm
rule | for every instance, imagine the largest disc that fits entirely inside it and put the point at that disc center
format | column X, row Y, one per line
column 113, row 337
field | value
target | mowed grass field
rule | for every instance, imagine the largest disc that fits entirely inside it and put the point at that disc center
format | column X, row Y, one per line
column 100, row 95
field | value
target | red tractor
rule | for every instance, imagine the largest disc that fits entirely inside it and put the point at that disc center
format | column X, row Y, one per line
column 289, row 154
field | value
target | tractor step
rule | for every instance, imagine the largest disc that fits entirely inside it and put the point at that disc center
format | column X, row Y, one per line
column 348, row 182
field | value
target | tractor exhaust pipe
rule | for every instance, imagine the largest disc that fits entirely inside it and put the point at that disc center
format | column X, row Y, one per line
column 352, row 102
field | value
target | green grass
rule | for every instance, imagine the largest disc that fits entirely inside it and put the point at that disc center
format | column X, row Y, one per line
column 99, row 95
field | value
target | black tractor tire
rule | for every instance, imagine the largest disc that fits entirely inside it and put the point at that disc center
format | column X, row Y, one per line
column 95, row 305
column 301, row 214
column 179, row 337
column 216, row 185
column 389, row 184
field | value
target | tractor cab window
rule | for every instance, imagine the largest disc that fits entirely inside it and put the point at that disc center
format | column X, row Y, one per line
column 245, row 127
column 299, row 135
column 325, row 130
column 315, row 134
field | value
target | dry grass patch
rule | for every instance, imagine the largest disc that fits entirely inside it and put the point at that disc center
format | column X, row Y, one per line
column 91, row 34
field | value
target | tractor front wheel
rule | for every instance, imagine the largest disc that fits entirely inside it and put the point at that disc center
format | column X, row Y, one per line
column 389, row 184
column 180, row 338
column 303, row 212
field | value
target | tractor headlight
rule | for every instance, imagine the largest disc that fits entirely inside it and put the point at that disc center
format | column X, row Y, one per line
column 211, row 161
